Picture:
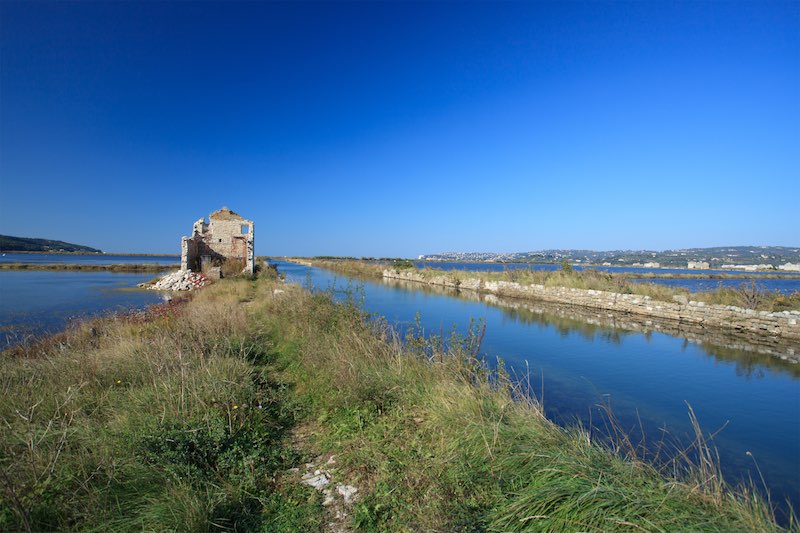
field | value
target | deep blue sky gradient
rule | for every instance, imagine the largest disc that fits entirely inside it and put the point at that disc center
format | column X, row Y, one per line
column 402, row 128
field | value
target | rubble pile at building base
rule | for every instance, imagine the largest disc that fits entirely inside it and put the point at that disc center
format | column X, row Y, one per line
column 181, row 280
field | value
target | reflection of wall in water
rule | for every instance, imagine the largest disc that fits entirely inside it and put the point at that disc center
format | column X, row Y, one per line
column 750, row 356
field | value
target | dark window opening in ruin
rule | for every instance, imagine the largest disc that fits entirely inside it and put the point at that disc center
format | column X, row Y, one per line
column 245, row 230
column 220, row 240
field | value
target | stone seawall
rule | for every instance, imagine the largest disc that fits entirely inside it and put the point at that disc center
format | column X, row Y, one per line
column 782, row 327
column 723, row 343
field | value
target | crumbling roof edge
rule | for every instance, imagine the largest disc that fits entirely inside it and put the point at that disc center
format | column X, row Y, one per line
column 225, row 214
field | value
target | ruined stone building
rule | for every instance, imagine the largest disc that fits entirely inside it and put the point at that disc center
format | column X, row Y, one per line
column 225, row 240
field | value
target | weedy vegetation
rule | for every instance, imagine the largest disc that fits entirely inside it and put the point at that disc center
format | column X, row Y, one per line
column 189, row 420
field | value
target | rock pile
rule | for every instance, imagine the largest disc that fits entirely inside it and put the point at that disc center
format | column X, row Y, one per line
column 338, row 501
column 182, row 280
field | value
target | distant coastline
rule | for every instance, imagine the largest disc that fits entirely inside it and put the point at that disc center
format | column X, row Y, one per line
column 718, row 257
column 735, row 271
column 89, row 253
column 10, row 243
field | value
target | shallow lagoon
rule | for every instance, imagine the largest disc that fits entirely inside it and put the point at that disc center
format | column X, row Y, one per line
column 90, row 259
column 34, row 303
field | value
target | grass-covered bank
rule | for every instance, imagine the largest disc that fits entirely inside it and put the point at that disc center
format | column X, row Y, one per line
column 192, row 420
column 174, row 423
column 366, row 269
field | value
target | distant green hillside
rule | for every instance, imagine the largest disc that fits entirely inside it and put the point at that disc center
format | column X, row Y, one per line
column 24, row 244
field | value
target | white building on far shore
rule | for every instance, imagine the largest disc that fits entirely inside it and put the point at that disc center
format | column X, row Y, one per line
column 698, row 265
column 748, row 268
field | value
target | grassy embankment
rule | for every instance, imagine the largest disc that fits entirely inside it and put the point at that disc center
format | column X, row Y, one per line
column 747, row 295
column 191, row 420
column 149, row 267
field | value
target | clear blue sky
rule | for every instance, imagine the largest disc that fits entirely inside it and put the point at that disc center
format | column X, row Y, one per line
column 396, row 129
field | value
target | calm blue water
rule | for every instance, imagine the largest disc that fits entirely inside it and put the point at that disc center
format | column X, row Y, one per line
column 33, row 303
column 646, row 377
column 786, row 286
column 89, row 259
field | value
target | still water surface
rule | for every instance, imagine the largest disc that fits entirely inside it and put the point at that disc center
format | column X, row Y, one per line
column 33, row 303
column 648, row 379
column 90, row 259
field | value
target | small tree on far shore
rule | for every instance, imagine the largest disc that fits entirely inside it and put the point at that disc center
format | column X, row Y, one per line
column 565, row 266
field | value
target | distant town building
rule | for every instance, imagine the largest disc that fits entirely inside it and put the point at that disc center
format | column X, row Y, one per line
column 225, row 238
column 698, row 265
column 791, row 267
column 748, row 268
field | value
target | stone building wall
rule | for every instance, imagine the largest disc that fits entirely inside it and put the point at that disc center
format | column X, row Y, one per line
column 783, row 326
column 227, row 236
column 189, row 254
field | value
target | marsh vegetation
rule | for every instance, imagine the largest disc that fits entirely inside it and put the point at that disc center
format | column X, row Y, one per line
column 192, row 417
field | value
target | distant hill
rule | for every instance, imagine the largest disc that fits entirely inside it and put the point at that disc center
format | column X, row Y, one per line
column 24, row 244
column 716, row 257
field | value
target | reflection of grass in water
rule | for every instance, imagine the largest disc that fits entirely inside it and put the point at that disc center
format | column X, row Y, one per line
column 748, row 361
column 752, row 364
column 120, row 287
column 23, row 332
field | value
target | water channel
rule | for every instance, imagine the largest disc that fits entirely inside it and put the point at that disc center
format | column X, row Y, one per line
column 578, row 366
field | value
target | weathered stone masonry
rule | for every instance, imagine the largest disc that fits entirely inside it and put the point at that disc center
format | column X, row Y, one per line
column 717, row 340
column 783, row 325
column 225, row 237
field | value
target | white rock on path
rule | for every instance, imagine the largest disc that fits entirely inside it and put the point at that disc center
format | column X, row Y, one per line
column 347, row 492
column 318, row 480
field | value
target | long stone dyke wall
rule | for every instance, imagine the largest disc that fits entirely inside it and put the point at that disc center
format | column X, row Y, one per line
column 781, row 328
column 743, row 349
